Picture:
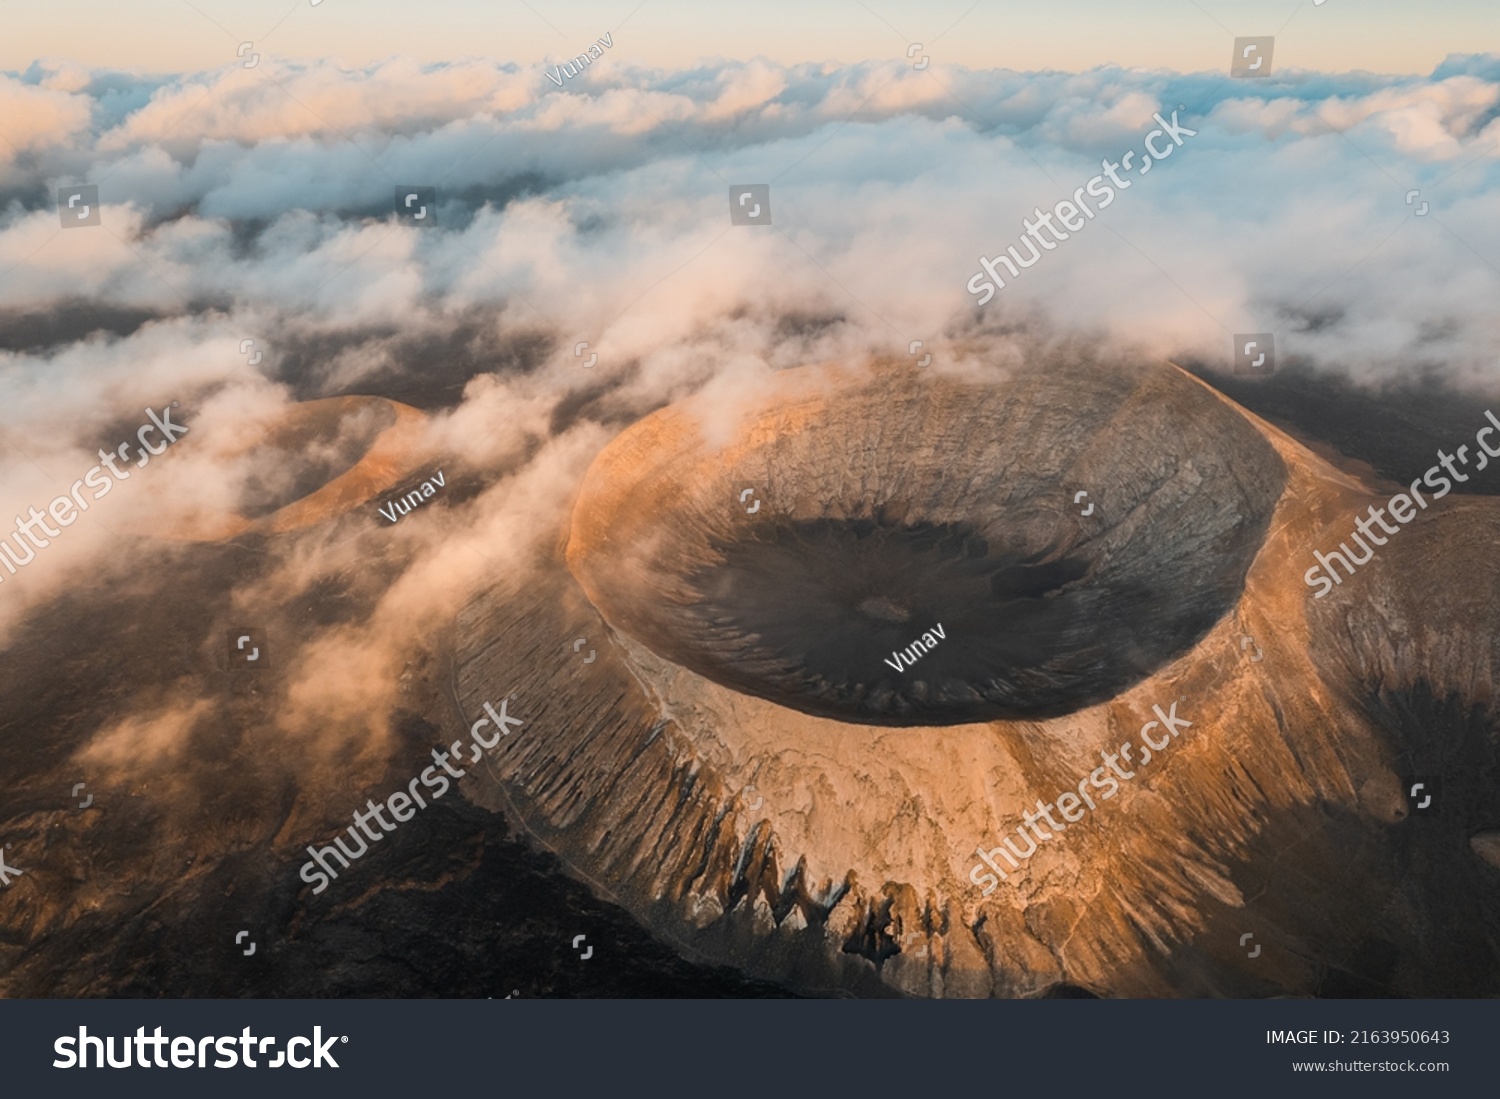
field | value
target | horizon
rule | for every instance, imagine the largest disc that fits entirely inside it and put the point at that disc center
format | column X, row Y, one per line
column 175, row 36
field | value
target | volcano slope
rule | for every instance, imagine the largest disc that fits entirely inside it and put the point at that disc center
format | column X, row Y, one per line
column 318, row 460
column 745, row 768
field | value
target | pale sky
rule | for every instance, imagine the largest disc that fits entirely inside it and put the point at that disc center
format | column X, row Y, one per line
column 1395, row 36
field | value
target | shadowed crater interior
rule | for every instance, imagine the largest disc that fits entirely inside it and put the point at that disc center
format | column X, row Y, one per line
column 838, row 602
column 918, row 558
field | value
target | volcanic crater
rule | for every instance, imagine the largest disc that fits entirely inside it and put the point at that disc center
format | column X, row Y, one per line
column 864, row 542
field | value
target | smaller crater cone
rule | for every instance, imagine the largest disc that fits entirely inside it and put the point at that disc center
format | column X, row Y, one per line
column 318, row 460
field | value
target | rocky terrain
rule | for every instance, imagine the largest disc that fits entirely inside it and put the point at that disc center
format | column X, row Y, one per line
column 740, row 772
